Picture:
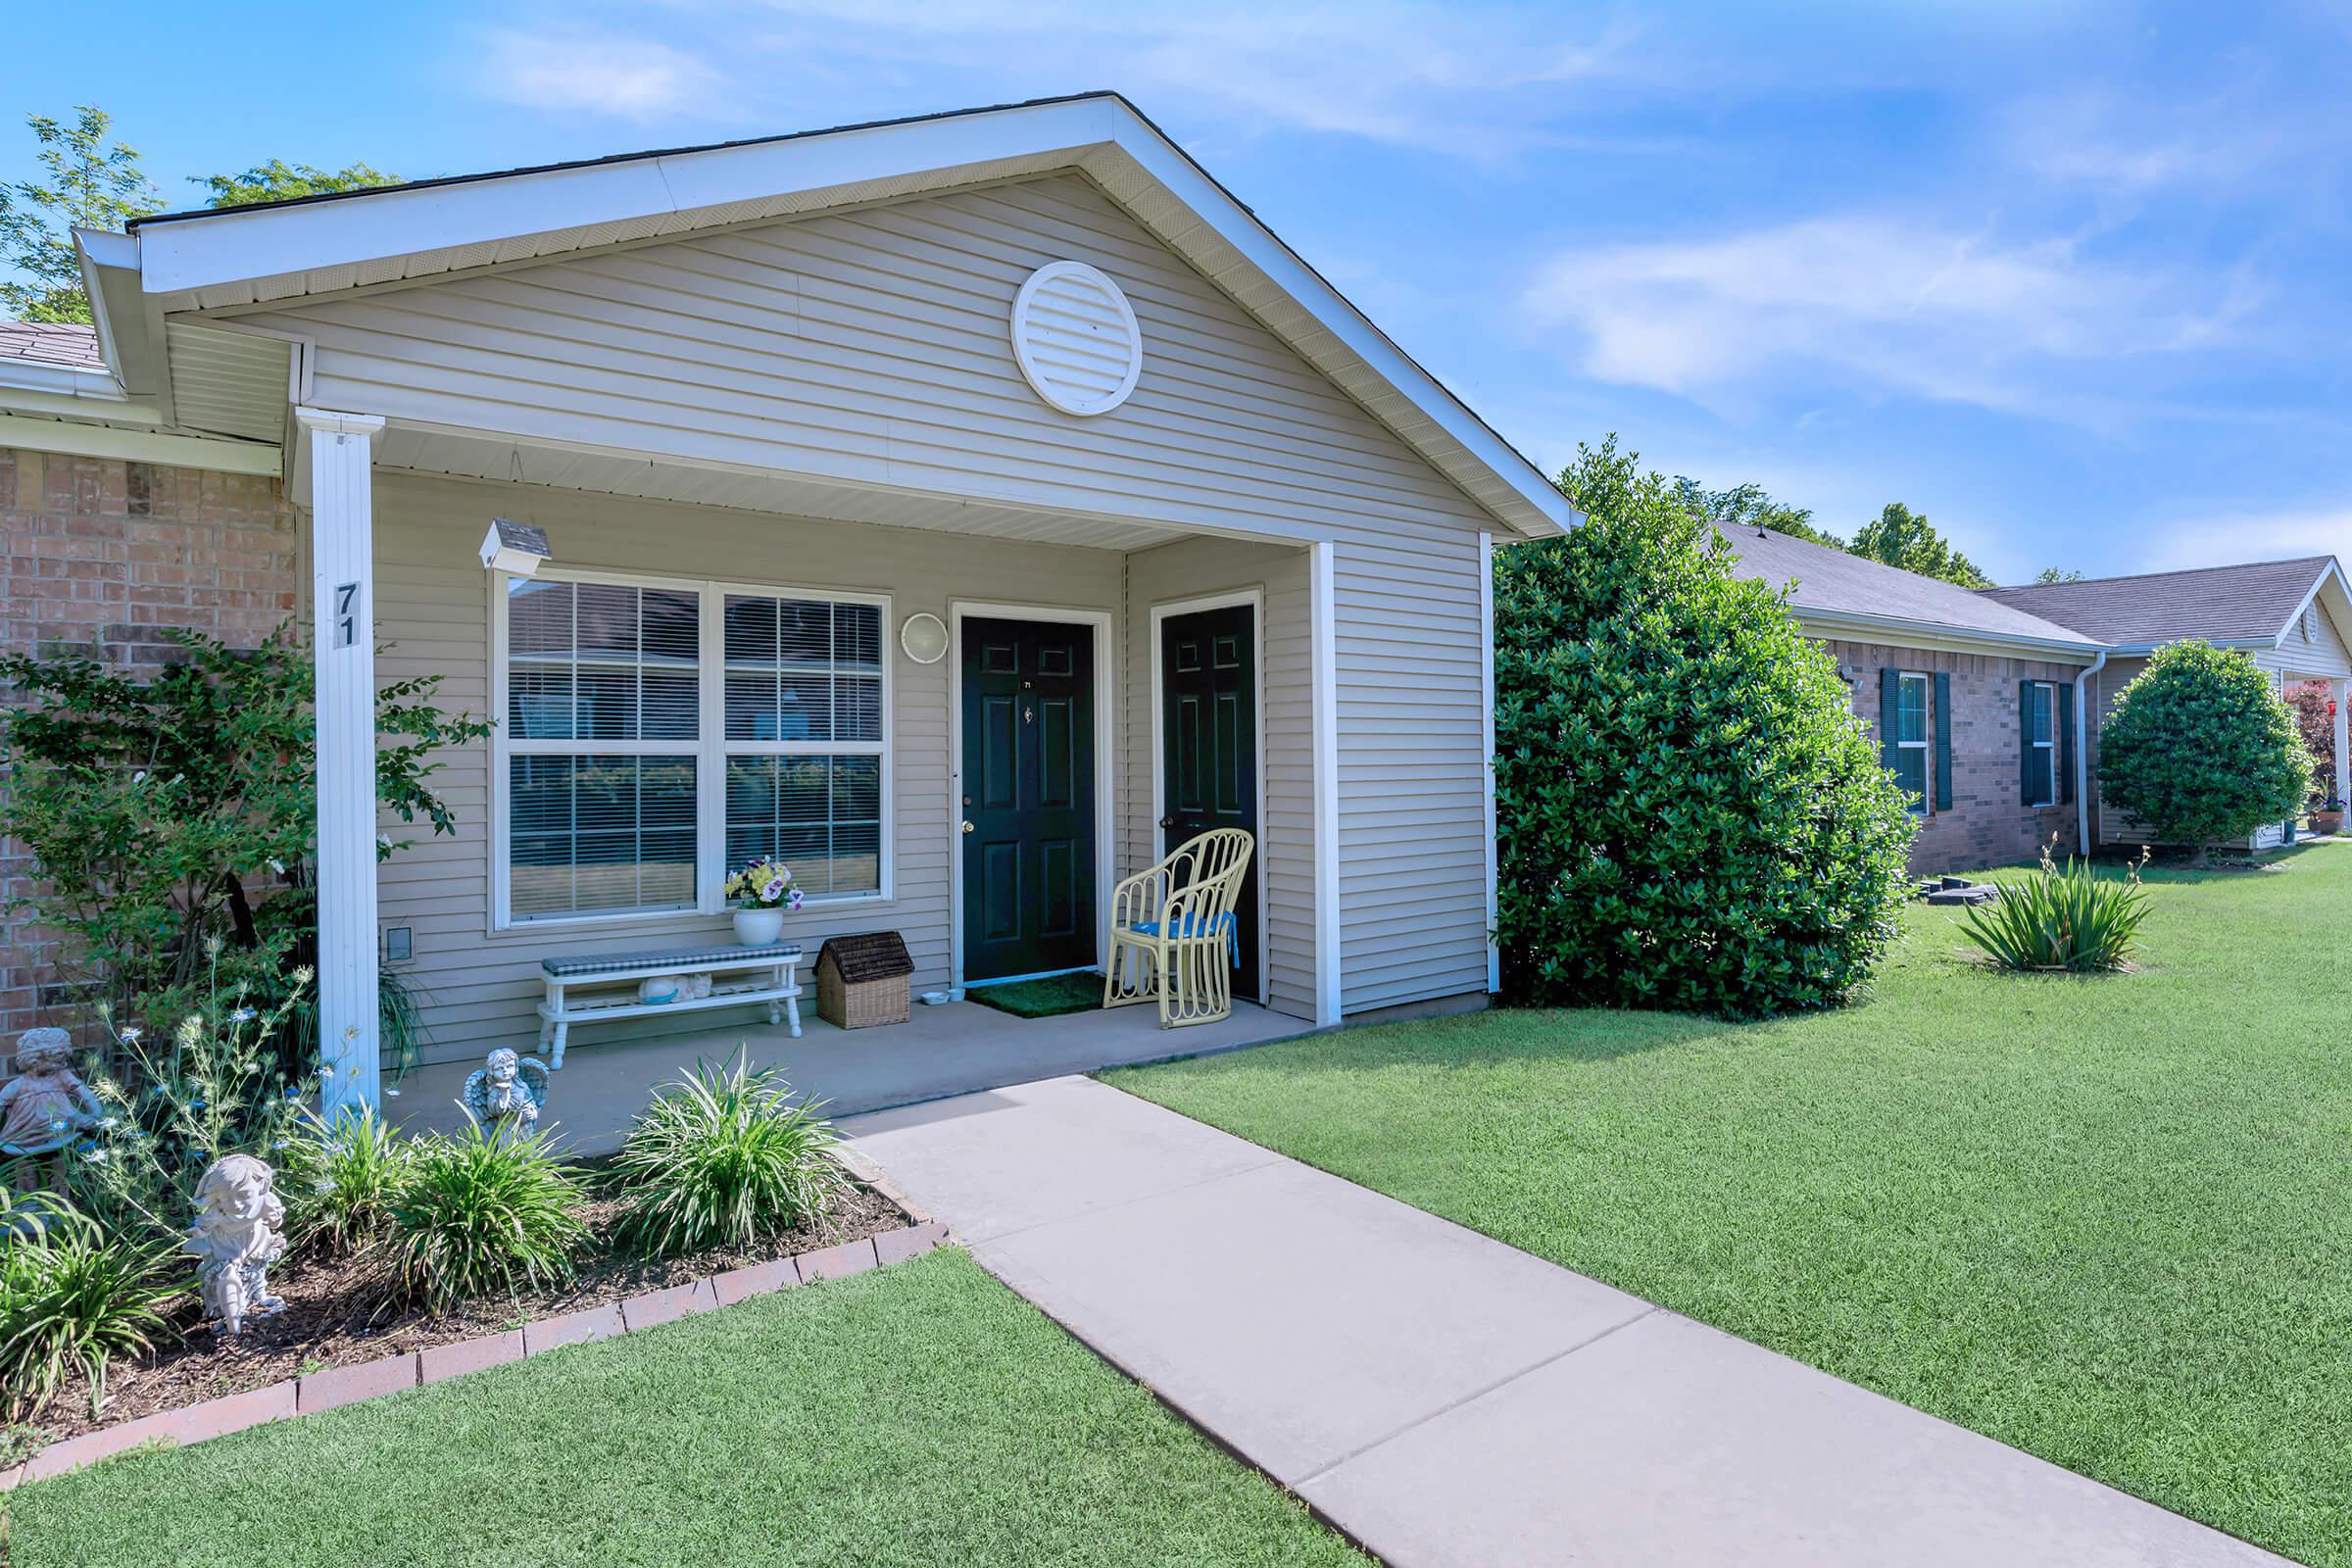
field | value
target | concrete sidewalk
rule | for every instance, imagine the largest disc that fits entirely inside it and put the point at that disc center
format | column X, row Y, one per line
column 1449, row 1399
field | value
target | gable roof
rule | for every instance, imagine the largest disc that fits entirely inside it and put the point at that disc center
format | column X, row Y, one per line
column 1839, row 592
column 224, row 259
column 2241, row 604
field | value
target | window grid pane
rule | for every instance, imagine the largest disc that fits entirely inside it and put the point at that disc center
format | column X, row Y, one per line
column 597, row 662
column 821, row 815
column 597, row 833
column 802, row 669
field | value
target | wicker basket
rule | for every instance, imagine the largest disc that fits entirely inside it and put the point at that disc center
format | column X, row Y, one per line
column 861, row 981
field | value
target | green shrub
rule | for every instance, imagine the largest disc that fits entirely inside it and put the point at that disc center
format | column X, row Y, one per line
column 2201, row 748
column 1689, row 816
column 724, row 1158
column 340, row 1178
column 72, row 1299
column 483, row 1213
column 2071, row 920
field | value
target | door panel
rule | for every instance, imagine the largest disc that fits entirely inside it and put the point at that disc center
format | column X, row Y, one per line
column 1208, row 745
column 1029, row 797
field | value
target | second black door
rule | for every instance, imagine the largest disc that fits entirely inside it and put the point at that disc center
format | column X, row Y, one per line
column 1209, row 746
column 1028, row 797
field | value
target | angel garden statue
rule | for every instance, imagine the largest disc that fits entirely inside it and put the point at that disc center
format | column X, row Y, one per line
column 235, row 1240
column 45, row 1107
column 507, row 1088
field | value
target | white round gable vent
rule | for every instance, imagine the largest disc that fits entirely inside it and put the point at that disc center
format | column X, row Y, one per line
column 1076, row 338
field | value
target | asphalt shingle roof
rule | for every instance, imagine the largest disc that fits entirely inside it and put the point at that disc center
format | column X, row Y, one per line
column 66, row 346
column 1835, row 582
column 2240, row 604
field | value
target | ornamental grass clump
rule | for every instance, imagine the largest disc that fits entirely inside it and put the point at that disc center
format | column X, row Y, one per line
column 724, row 1158
column 341, row 1176
column 73, row 1299
column 2071, row 922
column 488, row 1211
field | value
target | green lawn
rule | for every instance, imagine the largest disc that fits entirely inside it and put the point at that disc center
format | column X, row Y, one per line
column 919, row 1414
column 2107, row 1220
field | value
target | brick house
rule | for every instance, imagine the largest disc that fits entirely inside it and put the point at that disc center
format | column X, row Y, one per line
column 1978, row 706
column 109, row 534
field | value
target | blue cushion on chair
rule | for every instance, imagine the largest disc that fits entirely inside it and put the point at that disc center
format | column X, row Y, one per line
column 1184, row 928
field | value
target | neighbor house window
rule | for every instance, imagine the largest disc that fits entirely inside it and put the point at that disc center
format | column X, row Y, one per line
column 624, row 701
column 1911, row 739
column 2041, row 742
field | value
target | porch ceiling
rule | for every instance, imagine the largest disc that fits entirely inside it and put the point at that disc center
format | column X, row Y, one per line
column 473, row 457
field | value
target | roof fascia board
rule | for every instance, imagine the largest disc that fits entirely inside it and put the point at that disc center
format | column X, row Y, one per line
column 1847, row 625
column 217, row 454
column 233, row 246
column 28, row 383
column 2286, row 627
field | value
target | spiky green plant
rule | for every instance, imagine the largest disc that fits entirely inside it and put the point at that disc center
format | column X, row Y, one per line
column 483, row 1213
column 341, row 1176
column 72, row 1299
column 2071, row 920
column 722, row 1158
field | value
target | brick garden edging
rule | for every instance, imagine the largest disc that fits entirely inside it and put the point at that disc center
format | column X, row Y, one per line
column 348, row 1385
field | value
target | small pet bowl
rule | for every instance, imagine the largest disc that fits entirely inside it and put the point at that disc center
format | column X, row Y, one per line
column 936, row 999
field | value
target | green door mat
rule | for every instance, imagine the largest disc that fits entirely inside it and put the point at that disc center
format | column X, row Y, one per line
column 1047, row 998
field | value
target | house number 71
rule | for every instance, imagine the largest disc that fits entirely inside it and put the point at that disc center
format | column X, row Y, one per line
column 347, row 620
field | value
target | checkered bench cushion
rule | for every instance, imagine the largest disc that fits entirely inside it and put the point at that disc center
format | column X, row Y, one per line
column 733, row 952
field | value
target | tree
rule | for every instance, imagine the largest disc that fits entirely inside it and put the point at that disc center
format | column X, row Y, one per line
column 2315, row 721
column 89, row 182
column 1749, row 506
column 2201, row 748
column 2055, row 574
column 279, row 181
column 1901, row 537
column 1689, row 816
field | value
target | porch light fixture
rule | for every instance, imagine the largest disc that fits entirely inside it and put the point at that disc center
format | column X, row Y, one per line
column 514, row 547
column 924, row 638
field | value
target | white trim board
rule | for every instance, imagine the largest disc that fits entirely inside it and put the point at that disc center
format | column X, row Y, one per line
column 1255, row 599
column 1324, row 663
column 217, row 454
column 1486, row 708
column 1107, row 723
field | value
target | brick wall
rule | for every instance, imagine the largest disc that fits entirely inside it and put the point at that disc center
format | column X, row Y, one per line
column 1987, row 822
column 100, row 557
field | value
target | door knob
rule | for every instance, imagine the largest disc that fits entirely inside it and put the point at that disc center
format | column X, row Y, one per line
column 968, row 827
column 1167, row 823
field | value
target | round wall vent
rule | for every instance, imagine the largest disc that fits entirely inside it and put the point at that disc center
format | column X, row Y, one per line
column 1076, row 338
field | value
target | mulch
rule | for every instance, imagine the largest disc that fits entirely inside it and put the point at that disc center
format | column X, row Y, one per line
column 339, row 1313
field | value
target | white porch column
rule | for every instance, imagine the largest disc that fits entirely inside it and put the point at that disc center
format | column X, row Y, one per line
column 1486, row 709
column 1324, row 663
column 339, row 447
column 2343, row 717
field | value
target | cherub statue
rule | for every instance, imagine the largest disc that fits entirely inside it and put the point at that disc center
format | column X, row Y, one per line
column 507, row 1088
column 235, row 1239
column 45, row 1107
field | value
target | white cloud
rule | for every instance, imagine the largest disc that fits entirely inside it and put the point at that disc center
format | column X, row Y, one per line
column 1892, row 305
column 2217, row 541
column 600, row 72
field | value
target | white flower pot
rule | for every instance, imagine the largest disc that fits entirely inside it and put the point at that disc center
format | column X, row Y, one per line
column 757, row 927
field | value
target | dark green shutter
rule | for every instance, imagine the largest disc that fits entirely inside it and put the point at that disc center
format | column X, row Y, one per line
column 2066, row 742
column 1890, row 715
column 1941, row 719
column 2024, row 740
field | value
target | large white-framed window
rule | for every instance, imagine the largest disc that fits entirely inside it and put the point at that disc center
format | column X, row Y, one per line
column 658, row 733
column 2041, row 742
column 1911, row 763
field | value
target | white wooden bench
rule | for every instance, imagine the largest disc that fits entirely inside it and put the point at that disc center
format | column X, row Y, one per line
column 739, row 975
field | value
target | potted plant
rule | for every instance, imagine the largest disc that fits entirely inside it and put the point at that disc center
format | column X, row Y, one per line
column 764, row 893
column 2328, row 817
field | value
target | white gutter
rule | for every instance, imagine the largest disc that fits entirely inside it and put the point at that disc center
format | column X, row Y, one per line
column 1853, row 625
column 2083, row 752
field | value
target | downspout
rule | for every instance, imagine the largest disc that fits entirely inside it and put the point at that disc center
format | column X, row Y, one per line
column 2083, row 752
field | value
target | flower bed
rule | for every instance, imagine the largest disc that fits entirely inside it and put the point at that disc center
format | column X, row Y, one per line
column 337, row 1313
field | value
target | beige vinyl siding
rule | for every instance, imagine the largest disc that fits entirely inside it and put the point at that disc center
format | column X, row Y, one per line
column 872, row 346
column 2301, row 657
column 1412, row 770
column 1196, row 568
column 432, row 604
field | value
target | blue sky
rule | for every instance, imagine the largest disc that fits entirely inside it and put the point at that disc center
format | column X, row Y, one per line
column 2066, row 277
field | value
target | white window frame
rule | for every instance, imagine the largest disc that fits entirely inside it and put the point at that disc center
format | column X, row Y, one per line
column 2049, row 689
column 710, row 749
column 1925, row 745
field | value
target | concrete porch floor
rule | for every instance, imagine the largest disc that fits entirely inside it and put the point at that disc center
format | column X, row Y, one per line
column 951, row 1049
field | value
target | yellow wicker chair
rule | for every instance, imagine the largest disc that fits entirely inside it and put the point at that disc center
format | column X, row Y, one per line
column 1173, row 932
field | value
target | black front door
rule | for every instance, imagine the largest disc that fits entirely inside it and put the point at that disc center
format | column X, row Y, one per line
column 1028, row 797
column 1208, row 745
